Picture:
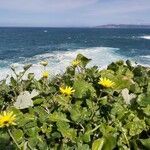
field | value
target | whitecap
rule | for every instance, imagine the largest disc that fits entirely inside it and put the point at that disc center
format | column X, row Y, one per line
column 59, row 60
column 146, row 56
column 147, row 37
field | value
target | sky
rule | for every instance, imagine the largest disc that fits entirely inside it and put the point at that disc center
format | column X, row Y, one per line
column 73, row 13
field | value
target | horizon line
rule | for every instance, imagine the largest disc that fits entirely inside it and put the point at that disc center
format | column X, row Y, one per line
column 74, row 26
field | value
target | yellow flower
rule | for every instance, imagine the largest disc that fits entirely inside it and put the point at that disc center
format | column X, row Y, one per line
column 44, row 63
column 45, row 74
column 7, row 119
column 67, row 90
column 76, row 62
column 106, row 82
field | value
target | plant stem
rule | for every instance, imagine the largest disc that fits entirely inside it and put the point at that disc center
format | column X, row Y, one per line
column 78, row 69
column 91, row 131
column 9, row 132
column 101, row 92
column 30, row 146
column 95, row 128
column 125, row 137
column 124, row 134
column 83, row 129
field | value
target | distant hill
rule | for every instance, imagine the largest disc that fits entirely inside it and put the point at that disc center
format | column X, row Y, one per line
column 123, row 26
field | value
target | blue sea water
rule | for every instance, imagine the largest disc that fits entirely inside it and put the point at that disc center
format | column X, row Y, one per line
column 60, row 45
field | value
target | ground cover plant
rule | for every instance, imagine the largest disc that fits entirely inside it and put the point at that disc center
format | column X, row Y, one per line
column 82, row 109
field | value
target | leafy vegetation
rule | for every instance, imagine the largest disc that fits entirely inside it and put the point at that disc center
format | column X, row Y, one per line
column 98, row 110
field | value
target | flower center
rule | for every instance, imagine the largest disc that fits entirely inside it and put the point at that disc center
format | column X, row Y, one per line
column 6, row 122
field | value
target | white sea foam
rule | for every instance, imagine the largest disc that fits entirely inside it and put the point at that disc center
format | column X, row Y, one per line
column 146, row 56
column 59, row 60
column 147, row 37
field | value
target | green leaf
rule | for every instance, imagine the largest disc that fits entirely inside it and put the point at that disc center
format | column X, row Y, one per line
column 107, row 129
column 146, row 110
column 110, row 142
column 26, row 67
column 146, row 143
column 66, row 131
column 38, row 101
column 58, row 116
column 129, row 63
column 31, row 76
column 13, row 81
column 42, row 113
column 18, row 135
column 62, row 100
column 4, row 140
column 27, row 120
column 135, row 88
column 83, row 146
column 118, row 110
column 87, row 137
column 75, row 114
column 78, row 113
column 122, row 82
column 107, row 74
column 83, row 89
column 98, row 144
column 136, row 126
column 34, row 141
column 113, row 66
column 32, row 132
column 139, row 71
column 143, row 100
column 83, row 59
column 46, row 129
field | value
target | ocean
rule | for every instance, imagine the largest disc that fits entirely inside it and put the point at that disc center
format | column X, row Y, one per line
column 59, row 46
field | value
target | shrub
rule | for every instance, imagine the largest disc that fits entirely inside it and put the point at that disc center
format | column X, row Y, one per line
column 84, row 108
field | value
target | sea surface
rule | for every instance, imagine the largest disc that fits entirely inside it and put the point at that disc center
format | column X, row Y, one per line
column 19, row 46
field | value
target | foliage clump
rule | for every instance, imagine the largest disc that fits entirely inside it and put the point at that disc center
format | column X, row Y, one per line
column 82, row 109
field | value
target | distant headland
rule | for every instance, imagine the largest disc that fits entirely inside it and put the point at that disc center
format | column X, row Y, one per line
column 123, row 26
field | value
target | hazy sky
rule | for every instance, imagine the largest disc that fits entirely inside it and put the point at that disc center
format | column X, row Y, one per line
column 60, row 13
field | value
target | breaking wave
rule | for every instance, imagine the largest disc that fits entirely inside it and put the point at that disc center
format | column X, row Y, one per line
column 147, row 37
column 59, row 60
